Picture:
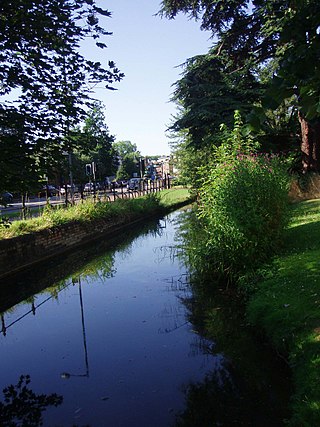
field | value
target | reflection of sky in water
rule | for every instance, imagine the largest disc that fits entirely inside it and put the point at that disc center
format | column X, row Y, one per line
column 129, row 330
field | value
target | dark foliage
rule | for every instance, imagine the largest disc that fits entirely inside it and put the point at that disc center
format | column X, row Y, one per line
column 23, row 407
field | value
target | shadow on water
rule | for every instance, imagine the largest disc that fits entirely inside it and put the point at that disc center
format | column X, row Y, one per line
column 249, row 385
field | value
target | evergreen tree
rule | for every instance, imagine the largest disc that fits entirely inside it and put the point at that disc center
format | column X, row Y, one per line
column 251, row 34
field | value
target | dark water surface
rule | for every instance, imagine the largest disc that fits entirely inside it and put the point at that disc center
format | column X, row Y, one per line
column 108, row 331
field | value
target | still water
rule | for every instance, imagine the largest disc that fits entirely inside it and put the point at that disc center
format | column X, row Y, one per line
column 105, row 337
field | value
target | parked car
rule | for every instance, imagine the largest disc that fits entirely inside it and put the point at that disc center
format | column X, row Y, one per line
column 134, row 184
column 90, row 186
column 115, row 184
column 50, row 189
column 6, row 198
column 63, row 189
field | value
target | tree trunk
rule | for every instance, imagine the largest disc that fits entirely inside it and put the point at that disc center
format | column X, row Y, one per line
column 310, row 144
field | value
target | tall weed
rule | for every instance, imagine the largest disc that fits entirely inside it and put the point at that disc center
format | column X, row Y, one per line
column 243, row 203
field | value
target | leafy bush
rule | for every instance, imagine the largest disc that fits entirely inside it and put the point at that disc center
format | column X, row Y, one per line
column 243, row 205
column 5, row 222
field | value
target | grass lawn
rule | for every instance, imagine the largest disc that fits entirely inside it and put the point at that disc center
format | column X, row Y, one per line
column 287, row 306
column 174, row 196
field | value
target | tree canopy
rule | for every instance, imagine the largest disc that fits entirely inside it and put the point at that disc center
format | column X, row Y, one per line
column 209, row 94
column 129, row 158
column 42, row 67
column 94, row 144
column 253, row 35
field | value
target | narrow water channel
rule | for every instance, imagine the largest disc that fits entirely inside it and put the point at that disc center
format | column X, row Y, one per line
column 103, row 337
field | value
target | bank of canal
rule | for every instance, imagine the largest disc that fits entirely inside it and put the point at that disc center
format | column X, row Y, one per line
column 107, row 335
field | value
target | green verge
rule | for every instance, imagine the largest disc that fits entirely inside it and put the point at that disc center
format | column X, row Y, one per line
column 128, row 209
column 175, row 196
column 286, row 305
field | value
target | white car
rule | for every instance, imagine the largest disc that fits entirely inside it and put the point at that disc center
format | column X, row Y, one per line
column 63, row 189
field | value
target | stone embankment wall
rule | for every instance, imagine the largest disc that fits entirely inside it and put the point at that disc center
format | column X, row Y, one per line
column 20, row 252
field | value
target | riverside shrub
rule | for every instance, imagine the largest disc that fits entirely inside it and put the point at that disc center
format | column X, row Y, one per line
column 243, row 208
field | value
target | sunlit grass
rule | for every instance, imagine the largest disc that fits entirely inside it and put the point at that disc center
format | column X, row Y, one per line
column 174, row 196
column 89, row 211
column 305, row 212
column 287, row 306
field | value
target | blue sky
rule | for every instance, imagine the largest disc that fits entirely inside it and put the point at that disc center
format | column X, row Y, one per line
column 148, row 50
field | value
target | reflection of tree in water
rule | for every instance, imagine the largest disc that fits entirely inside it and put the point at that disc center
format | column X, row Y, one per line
column 216, row 401
column 51, row 276
column 173, row 315
column 222, row 399
column 171, row 252
column 99, row 266
column 188, row 235
column 237, row 391
column 102, row 266
column 22, row 407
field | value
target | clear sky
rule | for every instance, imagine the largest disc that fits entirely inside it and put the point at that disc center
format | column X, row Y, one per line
column 148, row 50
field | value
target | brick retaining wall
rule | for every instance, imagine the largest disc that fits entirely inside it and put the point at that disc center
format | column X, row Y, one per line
column 20, row 252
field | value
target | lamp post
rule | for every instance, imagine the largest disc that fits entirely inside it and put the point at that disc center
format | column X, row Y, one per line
column 94, row 180
column 71, row 177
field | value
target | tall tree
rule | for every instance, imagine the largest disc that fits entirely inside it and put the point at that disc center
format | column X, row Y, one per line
column 94, row 144
column 41, row 62
column 208, row 93
column 125, row 148
column 253, row 33
column 129, row 158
